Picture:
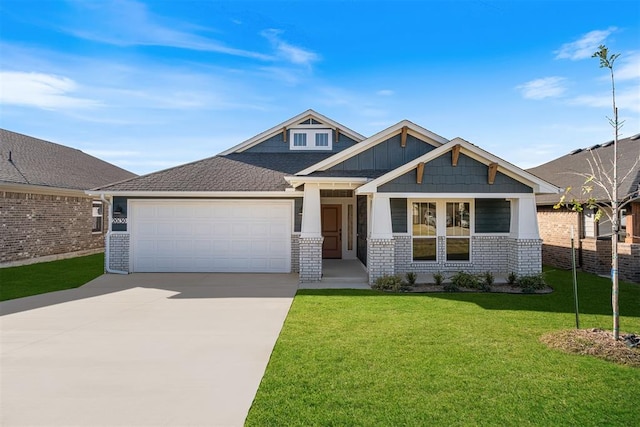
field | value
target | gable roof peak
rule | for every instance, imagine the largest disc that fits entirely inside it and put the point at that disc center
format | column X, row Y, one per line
column 294, row 121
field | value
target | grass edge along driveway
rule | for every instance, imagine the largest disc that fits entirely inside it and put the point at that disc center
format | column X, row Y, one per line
column 34, row 279
column 369, row 358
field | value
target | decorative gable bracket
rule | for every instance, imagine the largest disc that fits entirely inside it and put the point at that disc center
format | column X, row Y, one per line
column 455, row 154
column 493, row 170
column 420, row 173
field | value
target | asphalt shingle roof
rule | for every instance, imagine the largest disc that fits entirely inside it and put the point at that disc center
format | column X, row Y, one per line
column 38, row 162
column 233, row 172
column 563, row 170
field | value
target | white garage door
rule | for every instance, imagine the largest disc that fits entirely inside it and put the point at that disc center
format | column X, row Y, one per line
column 211, row 236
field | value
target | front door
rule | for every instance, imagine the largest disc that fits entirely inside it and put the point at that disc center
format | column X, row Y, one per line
column 332, row 231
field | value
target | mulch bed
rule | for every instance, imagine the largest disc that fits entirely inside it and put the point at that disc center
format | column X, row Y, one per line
column 495, row 288
column 596, row 343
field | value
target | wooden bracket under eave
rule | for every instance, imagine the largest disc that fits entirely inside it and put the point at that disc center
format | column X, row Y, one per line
column 455, row 153
column 493, row 169
column 403, row 137
column 337, row 139
column 284, row 134
column 420, row 173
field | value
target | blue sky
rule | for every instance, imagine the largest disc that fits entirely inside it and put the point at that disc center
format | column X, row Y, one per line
column 151, row 84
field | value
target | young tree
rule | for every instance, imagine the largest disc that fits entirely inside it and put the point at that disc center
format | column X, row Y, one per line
column 606, row 177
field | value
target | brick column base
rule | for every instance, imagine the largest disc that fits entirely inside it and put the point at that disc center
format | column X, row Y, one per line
column 118, row 251
column 380, row 258
column 525, row 256
column 310, row 258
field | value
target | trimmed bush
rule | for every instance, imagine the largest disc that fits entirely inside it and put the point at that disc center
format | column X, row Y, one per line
column 513, row 278
column 438, row 278
column 530, row 284
column 465, row 280
column 390, row 283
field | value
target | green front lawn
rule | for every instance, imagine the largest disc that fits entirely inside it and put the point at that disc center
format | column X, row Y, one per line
column 27, row 280
column 368, row 358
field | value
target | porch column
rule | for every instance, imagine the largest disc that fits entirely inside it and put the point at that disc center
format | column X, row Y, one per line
column 311, row 235
column 380, row 244
column 525, row 252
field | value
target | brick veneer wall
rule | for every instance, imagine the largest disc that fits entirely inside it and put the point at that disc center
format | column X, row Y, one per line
column 118, row 251
column 555, row 231
column 380, row 258
column 38, row 225
column 295, row 253
column 525, row 256
column 310, row 258
column 488, row 253
column 592, row 255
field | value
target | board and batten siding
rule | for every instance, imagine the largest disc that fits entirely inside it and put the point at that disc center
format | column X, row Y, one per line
column 386, row 155
column 276, row 144
column 469, row 176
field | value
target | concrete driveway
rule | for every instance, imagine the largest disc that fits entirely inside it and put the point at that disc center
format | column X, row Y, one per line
column 141, row 350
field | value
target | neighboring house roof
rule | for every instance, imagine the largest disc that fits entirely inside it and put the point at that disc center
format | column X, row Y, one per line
column 564, row 171
column 32, row 161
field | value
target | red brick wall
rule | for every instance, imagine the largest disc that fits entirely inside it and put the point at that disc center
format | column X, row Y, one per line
column 36, row 225
column 592, row 255
column 555, row 231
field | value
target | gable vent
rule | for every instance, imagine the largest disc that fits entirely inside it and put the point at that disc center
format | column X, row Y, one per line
column 576, row 151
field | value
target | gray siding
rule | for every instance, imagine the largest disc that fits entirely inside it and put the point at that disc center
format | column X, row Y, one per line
column 469, row 176
column 386, row 155
column 399, row 215
column 492, row 216
column 276, row 144
column 119, row 220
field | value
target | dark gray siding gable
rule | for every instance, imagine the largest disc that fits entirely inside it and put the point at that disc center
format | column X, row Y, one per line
column 469, row 176
column 492, row 216
column 387, row 155
column 276, row 144
column 399, row 215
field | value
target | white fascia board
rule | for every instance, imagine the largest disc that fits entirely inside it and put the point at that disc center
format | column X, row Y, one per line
column 539, row 185
column 476, row 153
column 292, row 121
column 41, row 189
column 197, row 194
column 412, row 129
column 327, row 182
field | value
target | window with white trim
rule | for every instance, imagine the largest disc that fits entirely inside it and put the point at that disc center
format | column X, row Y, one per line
column 311, row 139
column 424, row 231
column 446, row 219
column 96, row 213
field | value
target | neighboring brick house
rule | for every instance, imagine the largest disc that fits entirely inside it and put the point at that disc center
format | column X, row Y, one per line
column 45, row 213
column 592, row 238
column 404, row 199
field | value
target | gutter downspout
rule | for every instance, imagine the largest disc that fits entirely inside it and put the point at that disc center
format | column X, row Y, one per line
column 107, row 252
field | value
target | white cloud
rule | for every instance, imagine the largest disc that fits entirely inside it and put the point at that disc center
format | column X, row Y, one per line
column 547, row 87
column 585, row 46
column 293, row 54
column 47, row 91
column 626, row 99
column 628, row 68
column 385, row 92
column 129, row 23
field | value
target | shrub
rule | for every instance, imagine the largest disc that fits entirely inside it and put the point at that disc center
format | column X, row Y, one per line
column 438, row 278
column 530, row 284
column 465, row 280
column 487, row 281
column 389, row 283
column 411, row 278
column 450, row 287
column 513, row 278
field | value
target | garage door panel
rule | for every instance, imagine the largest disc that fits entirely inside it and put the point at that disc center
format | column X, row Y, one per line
column 225, row 236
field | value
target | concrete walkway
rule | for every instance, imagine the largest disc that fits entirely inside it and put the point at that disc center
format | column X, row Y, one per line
column 141, row 350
